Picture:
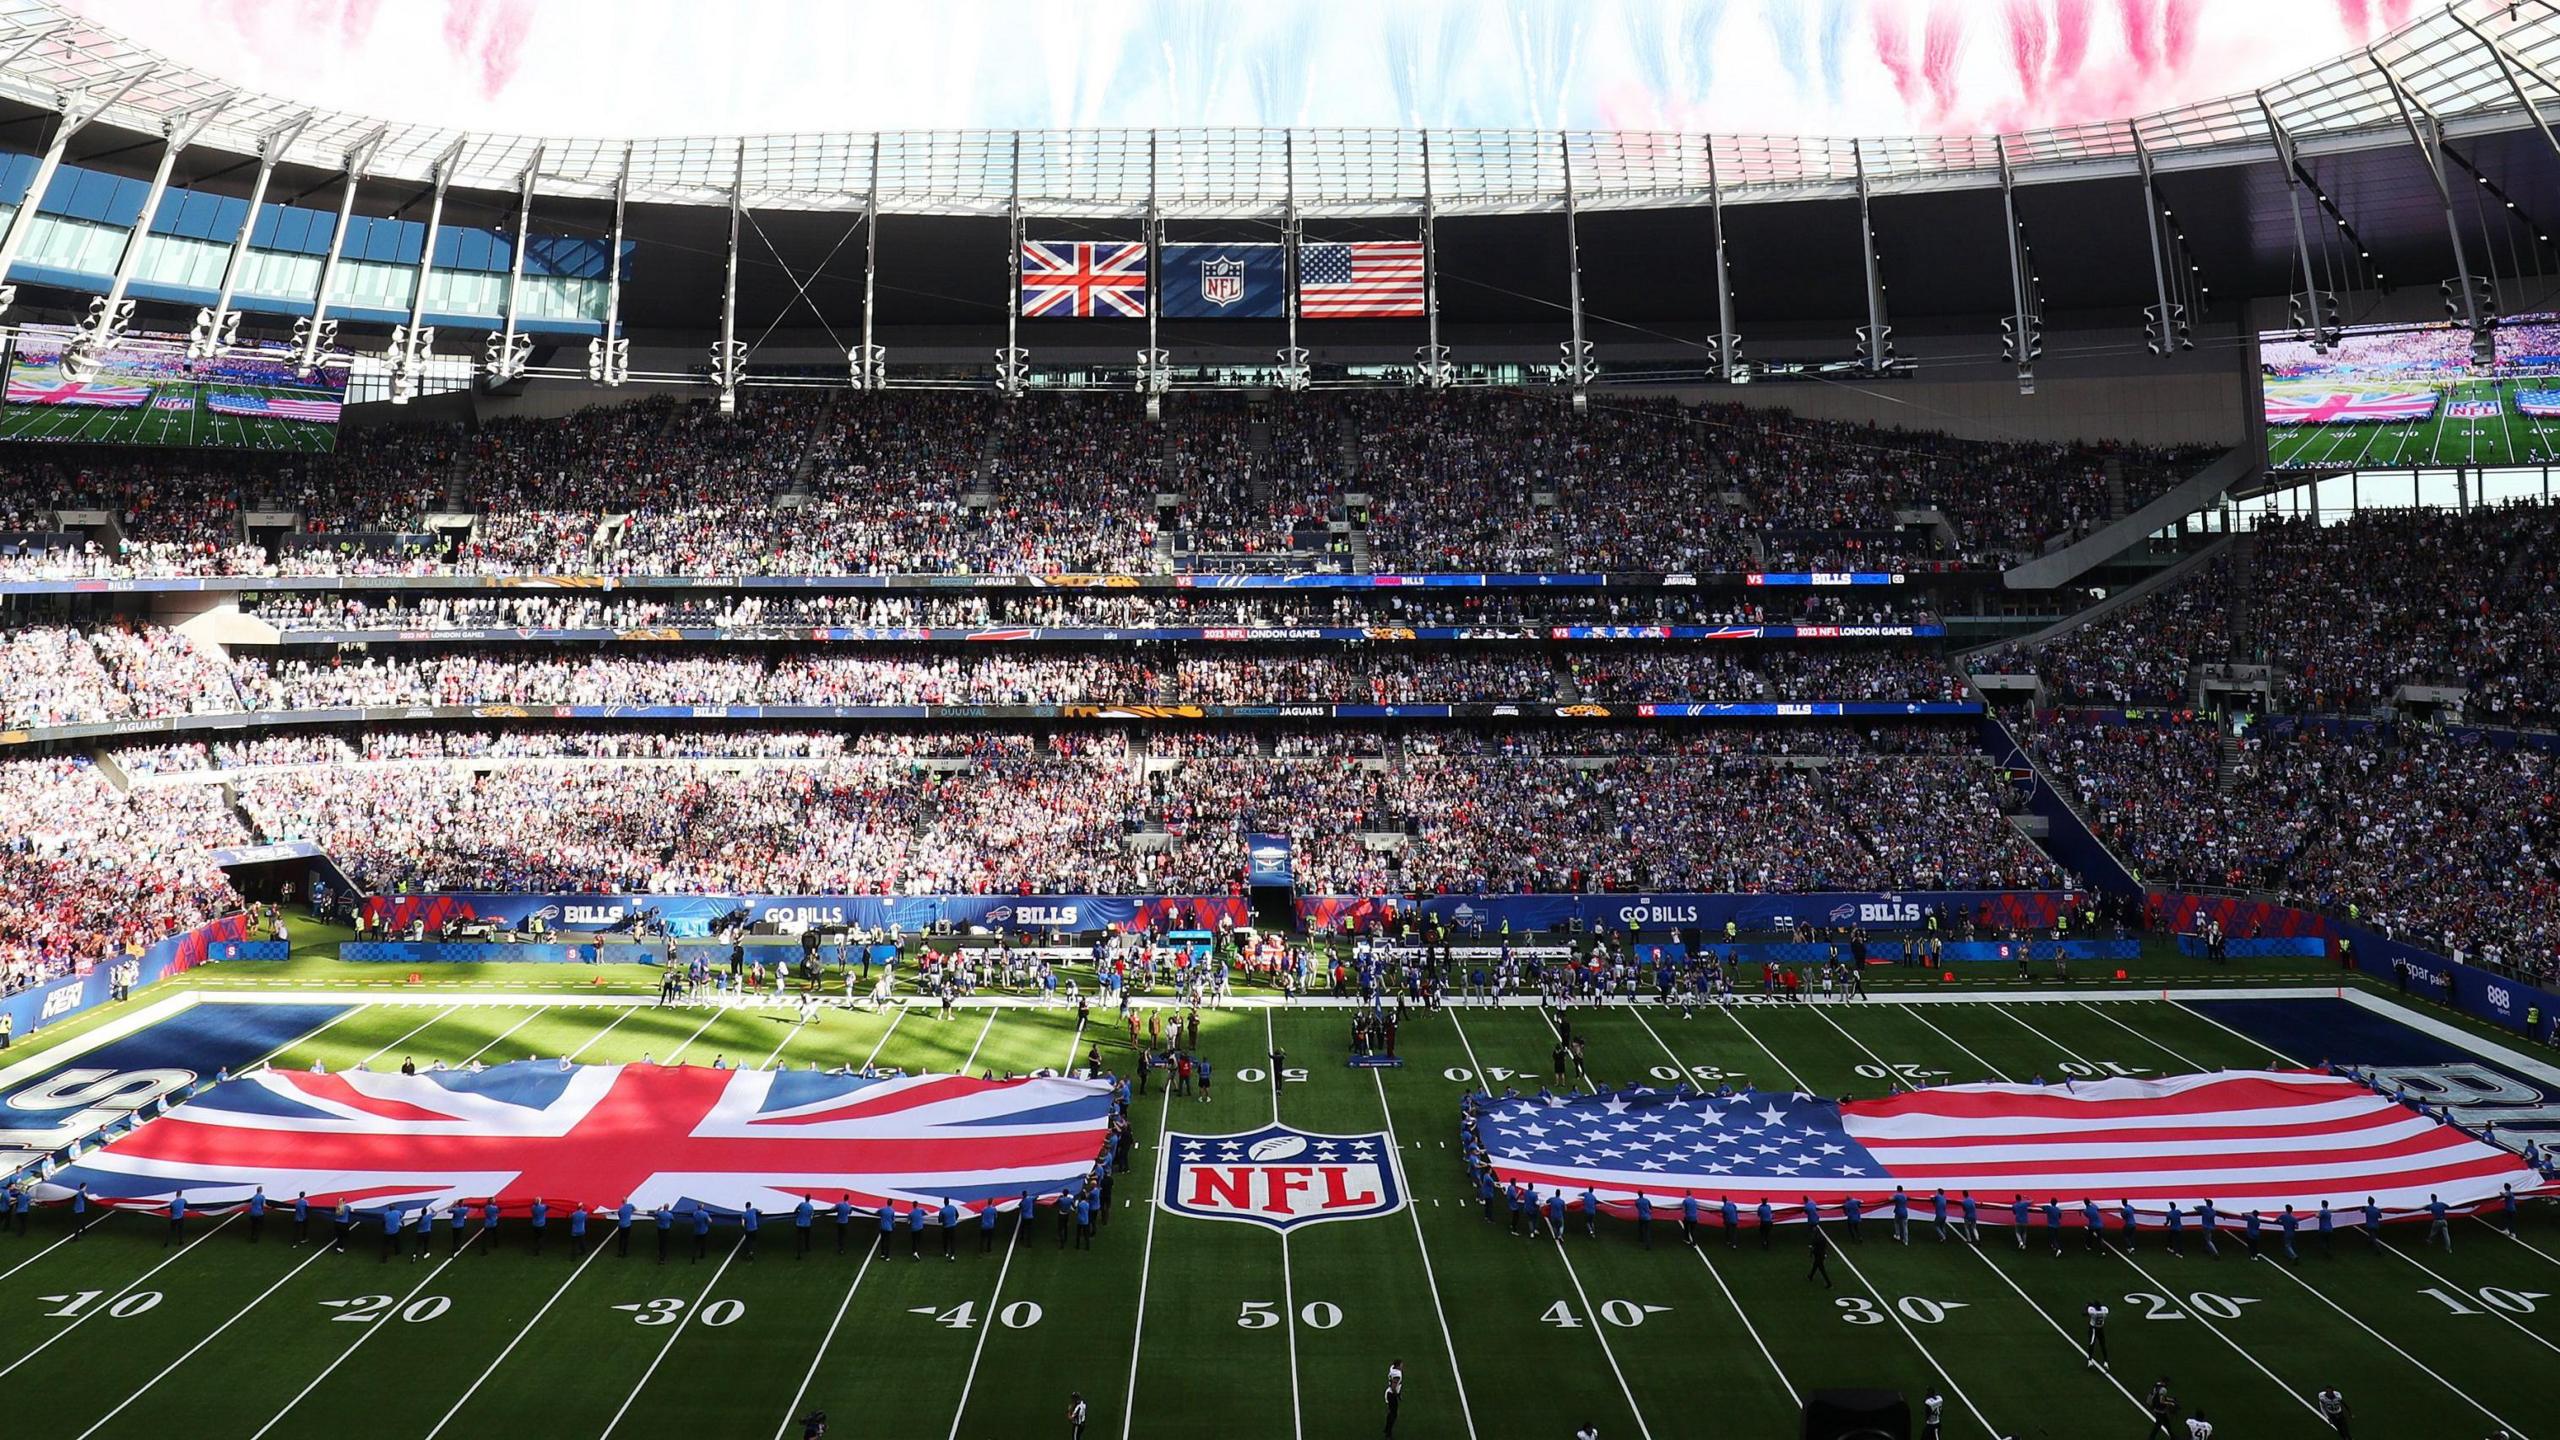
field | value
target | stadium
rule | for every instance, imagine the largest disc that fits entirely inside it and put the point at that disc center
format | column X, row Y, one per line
column 1754, row 719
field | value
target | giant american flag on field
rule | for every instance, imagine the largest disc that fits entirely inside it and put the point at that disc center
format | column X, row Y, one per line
column 2350, row 406
column 274, row 407
column 1362, row 280
column 2243, row 1139
column 2541, row 404
column 1083, row 279
column 595, row 1135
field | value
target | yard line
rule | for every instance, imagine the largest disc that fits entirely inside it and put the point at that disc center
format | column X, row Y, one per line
column 2429, row 1270
column 716, row 1012
column 2146, row 1039
column 535, row 1014
column 1888, row 1311
column 492, row 1367
column 627, row 1012
column 1288, row 1288
column 2234, row 1034
column 200, row 1344
column 987, row 1324
column 49, row 1249
column 378, row 1323
column 1073, row 1041
column 2483, row 1219
column 2503, row 1425
column 673, row 1334
column 1700, row 1251
column 85, row 1316
column 791, row 1416
column 883, row 1042
column 1606, row 1350
column 394, row 1045
column 1429, row 1276
column 1921, row 1014
column 992, row 1012
column 2092, row 1066
column 1146, row 1260
column 347, row 1014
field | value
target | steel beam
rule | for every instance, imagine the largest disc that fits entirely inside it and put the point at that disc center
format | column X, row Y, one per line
column 78, row 109
column 218, row 329
column 319, row 331
column 414, row 343
column 508, row 351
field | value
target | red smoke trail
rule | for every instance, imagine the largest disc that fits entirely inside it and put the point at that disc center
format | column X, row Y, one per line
column 2141, row 35
column 2178, row 31
column 2030, row 48
column 2357, row 16
column 2395, row 13
column 1893, row 51
column 1941, row 42
column 2071, row 25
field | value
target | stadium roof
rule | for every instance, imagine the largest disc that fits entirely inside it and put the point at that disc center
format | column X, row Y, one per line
column 2446, row 60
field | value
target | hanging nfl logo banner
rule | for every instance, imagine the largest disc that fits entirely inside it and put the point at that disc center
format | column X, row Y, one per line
column 1238, row 282
column 1281, row 1177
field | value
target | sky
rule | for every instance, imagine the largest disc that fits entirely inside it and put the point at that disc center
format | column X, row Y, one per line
column 616, row 68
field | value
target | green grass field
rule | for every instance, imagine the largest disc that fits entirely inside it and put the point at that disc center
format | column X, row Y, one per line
column 2443, row 440
column 148, row 424
column 1173, row 1325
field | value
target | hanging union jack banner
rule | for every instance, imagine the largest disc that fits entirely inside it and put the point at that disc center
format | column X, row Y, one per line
column 1084, row 279
column 596, row 1135
column 2362, row 405
column 2243, row 1139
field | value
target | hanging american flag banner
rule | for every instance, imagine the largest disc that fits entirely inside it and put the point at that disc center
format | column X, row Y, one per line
column 1362, row 280
column 1083, row 279
column 2245, row 1140
column 595, row 1135
column 2371, row 405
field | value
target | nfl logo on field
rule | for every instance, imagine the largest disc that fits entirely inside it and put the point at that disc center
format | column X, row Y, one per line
column 1281, row 1177
column 1222, row 280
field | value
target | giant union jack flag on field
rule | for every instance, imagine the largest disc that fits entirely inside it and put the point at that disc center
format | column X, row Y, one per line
column 595, row 1135
column 93, row 393
column 2363, row 405
column 2245, row 1140
column 1083, row 279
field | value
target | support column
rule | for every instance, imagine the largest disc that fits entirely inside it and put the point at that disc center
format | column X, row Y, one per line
column 1726, row 345
column 509, row 351
column 728, row 357
column 870, row 363
column 111, row 314
column 1435, row 372
column 1294, row 374
column 317, row 333
column 2466, row 298
column 2164, row 321
column 2024, row 340
column 1013, row 363
column 609, row 354
column 2315, row 310
column 78, row 109
column 1875, row 338
column 2509, row 62
column 413, row 344
column 217, row 330
column 1154, row 375
column 1578, row 371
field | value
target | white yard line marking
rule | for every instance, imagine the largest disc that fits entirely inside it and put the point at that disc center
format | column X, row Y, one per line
column 1288, row 1286
column 1430, row 1277
column 396, row 1044
column 590, row 1041
column 716, row 1012
column 2149, row 1040
column 49, row 1249
column 92, row 1312
column 1888, row 1310
column 503, row 1034
column 2399, row 1254
column 370, row 1330
column 674, row 1334
column 2094, row 1067
column 1700, row 1251
column 791, row 1416
column 2403, row 1354
column 1606, row 1350
column 982, row 1040
column 988, row 1323
column 200, row 1344
column 2234, row 1034
column 1146, row 1261
column 1988, row 1068
column 492, row 1367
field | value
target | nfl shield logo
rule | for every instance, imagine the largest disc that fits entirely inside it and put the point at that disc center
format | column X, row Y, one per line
column 1222, row 281
column 1281, row 1177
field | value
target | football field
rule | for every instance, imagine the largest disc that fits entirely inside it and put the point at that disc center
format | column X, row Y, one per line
column 2492, row 433
column 1176, row 1325
column 185, row 420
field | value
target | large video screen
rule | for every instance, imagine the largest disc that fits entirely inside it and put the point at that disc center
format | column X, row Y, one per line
column 147, row 392
column 2408, row 395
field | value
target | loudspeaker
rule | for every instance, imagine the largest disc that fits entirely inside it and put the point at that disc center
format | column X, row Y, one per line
column 1857, row 1415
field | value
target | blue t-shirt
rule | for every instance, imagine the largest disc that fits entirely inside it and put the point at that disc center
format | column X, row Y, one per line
column 301, row 1207
column 622, row 1216
column 258, row 1206
column 749, row 1219
column 701, row 1221
column 578, row 1221
column 803, row 1213
column 541, row 1214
